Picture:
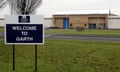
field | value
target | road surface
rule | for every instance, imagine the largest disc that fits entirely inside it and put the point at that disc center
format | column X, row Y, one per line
column 1, row 34
column 77, row 37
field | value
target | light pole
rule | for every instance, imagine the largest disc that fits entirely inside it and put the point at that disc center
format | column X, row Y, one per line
column 109, row 7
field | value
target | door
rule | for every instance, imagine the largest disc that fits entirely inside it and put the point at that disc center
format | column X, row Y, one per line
column 66, row 23
column 104, row 26
column 92, row 26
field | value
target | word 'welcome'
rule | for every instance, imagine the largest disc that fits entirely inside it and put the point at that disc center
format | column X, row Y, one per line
column 24, row 28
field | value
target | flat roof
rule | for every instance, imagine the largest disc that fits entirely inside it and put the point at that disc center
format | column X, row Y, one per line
column 80, row 12
column 114, row 17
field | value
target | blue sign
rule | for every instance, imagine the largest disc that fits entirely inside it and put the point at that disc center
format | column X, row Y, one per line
column 24, row 19
column 24, row 33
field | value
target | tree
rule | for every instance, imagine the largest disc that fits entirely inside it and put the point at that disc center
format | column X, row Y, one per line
column 2, row 3
column 24, row 7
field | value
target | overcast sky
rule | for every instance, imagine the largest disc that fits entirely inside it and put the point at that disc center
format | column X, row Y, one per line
column 48, row 7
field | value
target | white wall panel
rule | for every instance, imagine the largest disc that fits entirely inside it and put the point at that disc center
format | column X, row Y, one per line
column 114, row 22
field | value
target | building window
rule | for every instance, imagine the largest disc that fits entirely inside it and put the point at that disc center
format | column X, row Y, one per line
column 70, row 24
column 85, row 25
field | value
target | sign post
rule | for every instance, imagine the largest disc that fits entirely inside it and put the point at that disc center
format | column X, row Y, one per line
column 35, row 58
column 13, row 57
column 24, row 30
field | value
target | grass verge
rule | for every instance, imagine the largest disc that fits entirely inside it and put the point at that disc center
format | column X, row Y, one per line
column 1, row 29
column 63, row 56
column 85, row 32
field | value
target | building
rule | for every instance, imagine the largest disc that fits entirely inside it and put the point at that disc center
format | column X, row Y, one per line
column 114, row 22
column 48, row 22
column 89, row 19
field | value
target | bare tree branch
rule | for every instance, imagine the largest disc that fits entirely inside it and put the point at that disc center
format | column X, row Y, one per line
column 24, row 7
column 2, row 3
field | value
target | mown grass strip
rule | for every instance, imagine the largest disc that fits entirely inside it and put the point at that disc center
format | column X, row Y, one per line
column 85, row 32
column 63, row 56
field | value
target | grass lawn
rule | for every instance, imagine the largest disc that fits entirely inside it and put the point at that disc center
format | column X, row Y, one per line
column 1, row 29
column 63, row 56
column 85, row 32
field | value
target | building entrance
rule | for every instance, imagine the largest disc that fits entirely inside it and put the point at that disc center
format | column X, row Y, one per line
column 66, row 23
column 92, row 26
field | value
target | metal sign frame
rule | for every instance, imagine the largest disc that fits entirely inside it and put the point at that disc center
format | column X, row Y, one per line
column 35, row 20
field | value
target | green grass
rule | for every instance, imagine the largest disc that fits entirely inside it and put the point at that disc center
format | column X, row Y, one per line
column 85, row 32
column 1, row 29
column 63, row 56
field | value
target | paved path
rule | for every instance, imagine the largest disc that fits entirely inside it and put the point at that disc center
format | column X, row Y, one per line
column 1, row 34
